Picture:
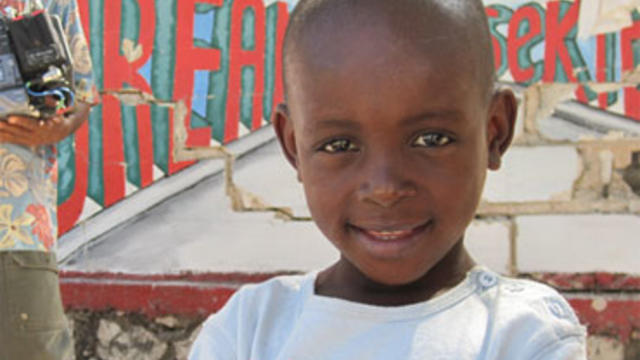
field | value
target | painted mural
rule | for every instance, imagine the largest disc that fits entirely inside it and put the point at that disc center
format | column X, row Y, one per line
column 221, row 58
column 538, row 42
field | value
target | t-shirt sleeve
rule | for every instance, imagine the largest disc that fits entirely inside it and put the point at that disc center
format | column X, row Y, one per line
column 560, row 337
column 218, row 338
column 535, row 322
column 572, row 348
column 82, row 65
column 213, row 343
column 253, row 323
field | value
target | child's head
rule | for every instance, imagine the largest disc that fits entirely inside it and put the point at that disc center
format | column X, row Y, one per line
column 391, row 121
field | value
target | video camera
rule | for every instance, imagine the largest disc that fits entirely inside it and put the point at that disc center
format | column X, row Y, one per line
column 36, row 69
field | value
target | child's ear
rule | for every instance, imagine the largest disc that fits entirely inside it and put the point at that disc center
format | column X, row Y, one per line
column 500, row 125
column 286, row 136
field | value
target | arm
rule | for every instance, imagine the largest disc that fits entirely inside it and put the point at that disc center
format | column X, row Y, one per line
column 28, row 131
column 212, row 344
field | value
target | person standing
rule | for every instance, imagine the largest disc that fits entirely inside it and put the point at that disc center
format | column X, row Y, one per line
column 32, row 320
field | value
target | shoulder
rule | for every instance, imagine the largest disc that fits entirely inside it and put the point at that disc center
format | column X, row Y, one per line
column 520, row 297
column 278, row 289
column 275, row 302
column 535, row 319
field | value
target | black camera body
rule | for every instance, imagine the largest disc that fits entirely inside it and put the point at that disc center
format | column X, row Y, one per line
column 36, row 69
column 13, row 95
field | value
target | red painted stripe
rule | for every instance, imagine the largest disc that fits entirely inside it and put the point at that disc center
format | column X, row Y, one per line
column 149, row 299
column 236, row 277
column 185, row 294
column 596, row 282
column 608, row 317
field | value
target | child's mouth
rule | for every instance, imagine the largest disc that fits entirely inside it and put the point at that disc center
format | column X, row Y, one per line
column 388, row 235
column 391, row 233
column 389, row 241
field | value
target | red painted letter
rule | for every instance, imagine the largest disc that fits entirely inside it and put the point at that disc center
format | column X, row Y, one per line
column 189, row 59
column 631, row 94
column 118, row 71
column 555, row 47
column 530, row 15
column 239, row 58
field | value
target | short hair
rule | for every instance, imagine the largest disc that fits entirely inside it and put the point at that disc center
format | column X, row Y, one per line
column 467, row 16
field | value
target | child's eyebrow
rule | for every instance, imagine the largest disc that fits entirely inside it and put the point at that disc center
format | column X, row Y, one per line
column 346, row 124
column 431, row 116
column 332, row 123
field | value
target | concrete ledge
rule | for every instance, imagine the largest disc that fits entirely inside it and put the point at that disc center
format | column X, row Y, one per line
column 153, row 295
column 197, row 295
column 612, row 315
column 593, row 282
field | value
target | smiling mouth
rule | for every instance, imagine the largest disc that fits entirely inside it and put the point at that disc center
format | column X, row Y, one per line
column 391, row 233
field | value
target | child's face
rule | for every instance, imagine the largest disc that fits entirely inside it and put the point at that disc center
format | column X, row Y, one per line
column 392, row 147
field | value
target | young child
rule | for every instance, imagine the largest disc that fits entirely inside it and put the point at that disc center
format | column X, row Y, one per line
column 391, row 121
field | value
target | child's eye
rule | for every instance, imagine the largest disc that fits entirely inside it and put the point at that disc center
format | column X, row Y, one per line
column 432, row 140
column 338, row 145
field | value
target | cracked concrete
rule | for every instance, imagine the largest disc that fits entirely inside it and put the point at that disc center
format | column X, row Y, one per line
column 241, row 199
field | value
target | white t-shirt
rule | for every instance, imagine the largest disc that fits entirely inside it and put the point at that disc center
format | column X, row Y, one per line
column 486, row 316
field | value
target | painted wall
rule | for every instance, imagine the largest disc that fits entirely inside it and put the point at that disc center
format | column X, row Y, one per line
column 537, row 41
column 175, row 50
column 221, row 57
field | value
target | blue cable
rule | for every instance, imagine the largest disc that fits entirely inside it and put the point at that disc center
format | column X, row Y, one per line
column 54, row 92
column 57, row 92
column 72, row 96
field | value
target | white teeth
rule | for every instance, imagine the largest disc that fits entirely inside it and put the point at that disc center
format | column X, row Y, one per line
column 388, row 235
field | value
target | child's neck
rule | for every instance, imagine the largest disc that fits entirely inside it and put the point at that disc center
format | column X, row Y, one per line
column 343, row 280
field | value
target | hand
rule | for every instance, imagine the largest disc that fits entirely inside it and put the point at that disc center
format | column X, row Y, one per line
column 29, row 131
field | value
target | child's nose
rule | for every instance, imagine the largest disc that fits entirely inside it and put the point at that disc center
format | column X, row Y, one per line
column 385, row 183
